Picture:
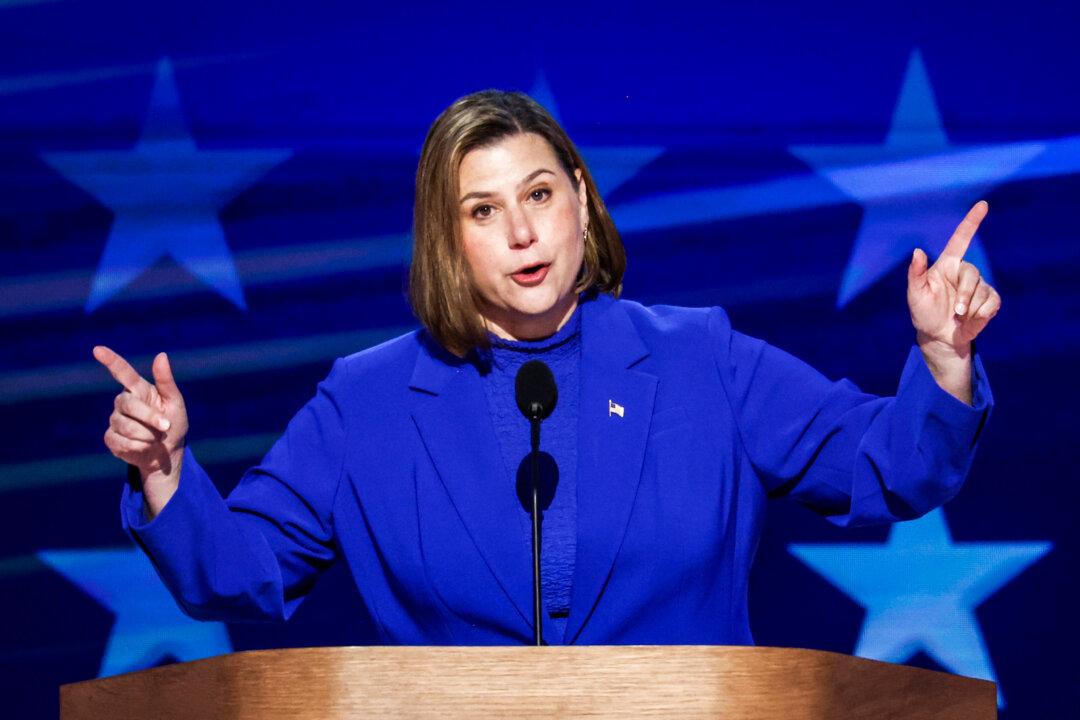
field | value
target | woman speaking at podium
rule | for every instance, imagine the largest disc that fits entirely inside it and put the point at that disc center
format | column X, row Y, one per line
column 670, row 431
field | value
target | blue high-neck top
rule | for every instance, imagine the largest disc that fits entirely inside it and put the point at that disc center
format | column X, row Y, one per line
column 558, row 441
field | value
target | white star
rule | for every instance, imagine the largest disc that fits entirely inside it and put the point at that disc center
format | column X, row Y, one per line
column 914, row 188
column 165, row 194
column 149, row 626
column 920, row 590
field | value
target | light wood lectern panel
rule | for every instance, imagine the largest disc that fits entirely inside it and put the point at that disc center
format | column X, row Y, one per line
column 736, row 683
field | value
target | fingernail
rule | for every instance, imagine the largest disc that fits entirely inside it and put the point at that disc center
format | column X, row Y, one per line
column 961, row 308
column 163, row 424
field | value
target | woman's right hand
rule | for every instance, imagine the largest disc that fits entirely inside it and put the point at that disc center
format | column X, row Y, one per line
column 148, row 426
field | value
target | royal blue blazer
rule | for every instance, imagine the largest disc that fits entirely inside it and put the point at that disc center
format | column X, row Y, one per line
column 393, row 467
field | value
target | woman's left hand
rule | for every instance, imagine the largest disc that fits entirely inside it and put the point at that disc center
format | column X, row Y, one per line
column 950, row 302
column 950, row 305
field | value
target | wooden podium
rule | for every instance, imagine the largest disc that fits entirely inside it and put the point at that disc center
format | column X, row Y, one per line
column 737, row 683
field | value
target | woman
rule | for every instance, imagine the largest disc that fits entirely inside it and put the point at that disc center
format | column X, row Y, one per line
column 670, row 432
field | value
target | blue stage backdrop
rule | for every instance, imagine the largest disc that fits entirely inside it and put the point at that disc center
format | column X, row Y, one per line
column 232, row 183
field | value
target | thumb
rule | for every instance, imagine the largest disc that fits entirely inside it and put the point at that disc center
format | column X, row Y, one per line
column 916, row 273
column 163, row 378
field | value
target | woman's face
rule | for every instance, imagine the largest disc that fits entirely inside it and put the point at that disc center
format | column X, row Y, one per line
column 521, row 224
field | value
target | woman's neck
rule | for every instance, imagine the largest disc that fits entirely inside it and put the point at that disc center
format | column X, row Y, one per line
column 533, row 327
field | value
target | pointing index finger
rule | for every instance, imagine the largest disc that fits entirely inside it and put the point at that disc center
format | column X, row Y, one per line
column 120, row 369
column 961, row 237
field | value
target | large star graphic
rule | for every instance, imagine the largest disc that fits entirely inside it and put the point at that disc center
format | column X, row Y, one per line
column 611, row 165
column 149, row 626
column 165, row 194
column 920, row 590
column 914, row 188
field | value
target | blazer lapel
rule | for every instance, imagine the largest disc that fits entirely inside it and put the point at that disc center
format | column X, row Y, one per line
column 614, row 417
column 450, row 410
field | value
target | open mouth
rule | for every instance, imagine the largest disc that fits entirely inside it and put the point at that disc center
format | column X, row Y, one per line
column 531, row 274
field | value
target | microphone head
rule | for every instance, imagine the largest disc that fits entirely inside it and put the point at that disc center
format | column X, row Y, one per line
column 535, row 390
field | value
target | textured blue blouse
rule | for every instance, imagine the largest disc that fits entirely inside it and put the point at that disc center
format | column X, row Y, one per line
column 558, row 446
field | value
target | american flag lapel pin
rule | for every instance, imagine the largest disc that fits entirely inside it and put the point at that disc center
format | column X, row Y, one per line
column 614, row 408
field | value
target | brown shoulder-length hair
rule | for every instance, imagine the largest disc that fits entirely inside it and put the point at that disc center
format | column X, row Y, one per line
column 441, row 290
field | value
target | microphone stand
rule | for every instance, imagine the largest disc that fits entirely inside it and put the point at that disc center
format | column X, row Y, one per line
column 538, row 627
column 536, row 393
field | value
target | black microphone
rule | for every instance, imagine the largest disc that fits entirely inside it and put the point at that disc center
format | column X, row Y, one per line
column 535, row 390
column 536, row 394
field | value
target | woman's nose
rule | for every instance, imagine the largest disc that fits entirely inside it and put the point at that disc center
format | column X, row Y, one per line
column 521, row 229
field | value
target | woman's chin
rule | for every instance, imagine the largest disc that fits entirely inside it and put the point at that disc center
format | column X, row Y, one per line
column 543, row 307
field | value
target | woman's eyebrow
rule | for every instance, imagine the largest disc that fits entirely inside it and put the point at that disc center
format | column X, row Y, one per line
column 485, row 194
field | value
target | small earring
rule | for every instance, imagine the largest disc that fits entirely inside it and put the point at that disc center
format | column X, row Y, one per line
column 585, row 234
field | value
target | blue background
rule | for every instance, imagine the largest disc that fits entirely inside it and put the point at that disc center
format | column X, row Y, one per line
column 232, row 183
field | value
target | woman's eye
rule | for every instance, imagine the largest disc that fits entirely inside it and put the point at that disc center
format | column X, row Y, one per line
column 481, row 211
column 540, row 194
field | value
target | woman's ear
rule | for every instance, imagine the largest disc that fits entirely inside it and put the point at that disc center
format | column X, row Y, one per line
column 583, row 198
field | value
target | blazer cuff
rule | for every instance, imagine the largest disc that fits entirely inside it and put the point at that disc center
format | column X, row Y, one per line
column 194, row 490
column 964, row 421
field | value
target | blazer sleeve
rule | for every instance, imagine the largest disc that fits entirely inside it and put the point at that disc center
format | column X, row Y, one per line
column 855, row 458
column 255, row 555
